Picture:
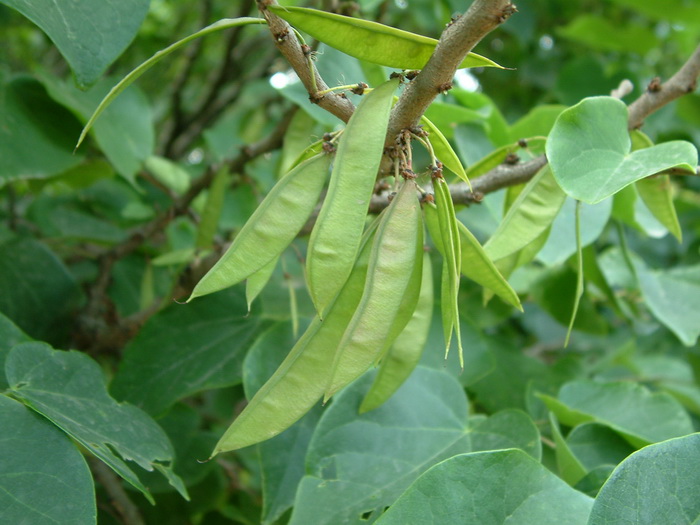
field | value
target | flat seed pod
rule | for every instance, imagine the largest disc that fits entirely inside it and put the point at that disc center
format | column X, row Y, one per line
column 271, row 228
column 394, row 258
column 298, row 383
column 405, row 353
column 370, row 41
column 335, row 239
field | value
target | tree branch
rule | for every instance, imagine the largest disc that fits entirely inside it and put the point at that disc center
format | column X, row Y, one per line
column 658, row 95
column 457, row 40
column 290, row 47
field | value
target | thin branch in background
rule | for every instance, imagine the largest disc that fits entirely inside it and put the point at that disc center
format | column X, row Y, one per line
column 191, row 57
column 99, row 327
column 127, row 511
column 658, row 94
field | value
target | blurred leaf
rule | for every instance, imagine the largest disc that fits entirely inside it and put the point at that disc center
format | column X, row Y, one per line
column 125, row 133
column 43, row 478
column 186, row 349
column 89, row 35
column 10, row 335
column 658, row 484
column 597, row 445
column 673, row 296
column 602, row 35
column 638, row 415
column 68, row 388
column 569, row 466
column 490, row 488
column 35, row 133
column 538, row 122
column 38, row 292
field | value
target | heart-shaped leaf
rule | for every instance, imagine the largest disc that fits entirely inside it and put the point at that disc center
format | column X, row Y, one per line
column 589, row 151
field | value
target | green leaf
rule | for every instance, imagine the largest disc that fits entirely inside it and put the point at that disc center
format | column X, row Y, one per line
column 38, row 292
column 589, row 151
column 68, row 388
column 335, row 239
column 510, row 428
column 658, row 484
column 638, row 415
column 570, row 468
column 184, row 350
column 35, row 133
column 44, row 480
column 125, row 133
column 538, row 122
column 10, row 335
column 89, row 35
column 528, row 217
column 597, row 445
column 490, row 488
column 225, row 23
column 369, row 40
column 427, row 414
column 257, row 281
column 673, row 296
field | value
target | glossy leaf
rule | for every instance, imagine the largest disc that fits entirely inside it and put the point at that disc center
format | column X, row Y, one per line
column 68, row 388
column 673, row 296
column 658, row 484
column 367, row 40
column 589, row 151
column 397, row 255
column 638, row 415
column 490, row 488
column 299, row 382
column 43, row 477
column 405, row 353
column 529, row 216
column 89, row 35
column 225, row 23
column 184, row 350
column 271, row 228
column 335, row 239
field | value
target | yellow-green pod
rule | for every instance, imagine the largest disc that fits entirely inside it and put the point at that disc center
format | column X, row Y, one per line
column 396, row 255
column 298, row 384
column 335, row 239
column 405, row 353
column 271, row 228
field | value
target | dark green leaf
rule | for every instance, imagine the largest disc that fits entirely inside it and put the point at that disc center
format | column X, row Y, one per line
column 35, row 133
column 90, row 35
column 10, row 335
column 186, row 349
column 43, row 478
column 37, row 291
column 68, row 388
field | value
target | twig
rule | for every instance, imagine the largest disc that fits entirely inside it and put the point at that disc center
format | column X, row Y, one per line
column 457, row 40
column 126, row 509
column 658, row 95
column 290, row 47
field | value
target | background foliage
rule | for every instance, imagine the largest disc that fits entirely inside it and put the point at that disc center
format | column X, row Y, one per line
column 95, row 245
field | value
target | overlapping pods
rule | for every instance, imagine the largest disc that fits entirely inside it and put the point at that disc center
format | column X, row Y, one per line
column 335, row 239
